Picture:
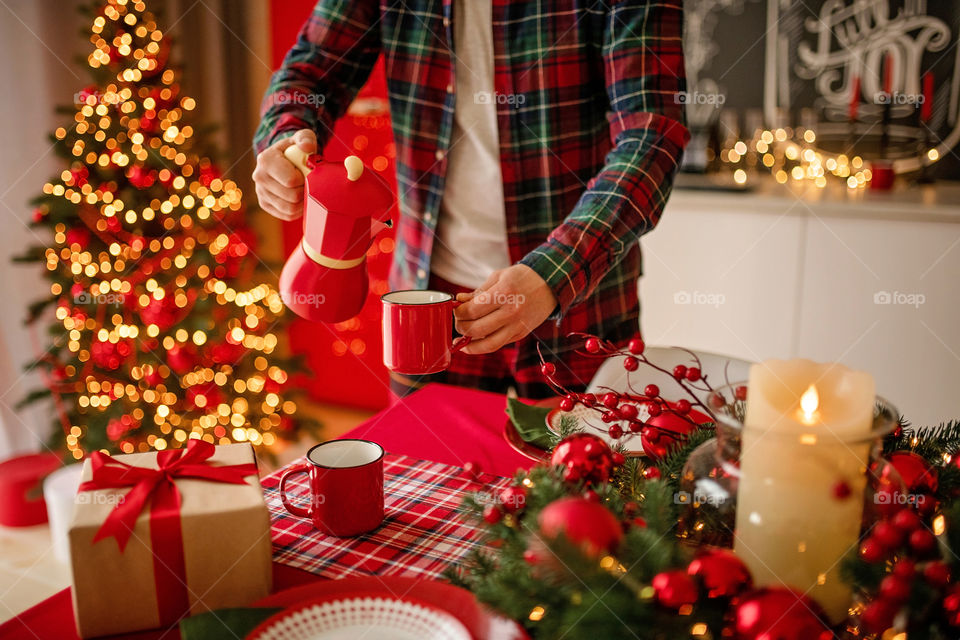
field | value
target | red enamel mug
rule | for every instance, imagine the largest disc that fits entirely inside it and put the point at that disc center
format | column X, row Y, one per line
column 346, row 487
column 417, row 330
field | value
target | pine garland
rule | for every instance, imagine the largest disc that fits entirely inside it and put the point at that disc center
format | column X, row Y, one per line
column 582, row 598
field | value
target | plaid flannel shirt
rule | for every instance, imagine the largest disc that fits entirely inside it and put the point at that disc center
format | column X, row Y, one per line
column 587, row 156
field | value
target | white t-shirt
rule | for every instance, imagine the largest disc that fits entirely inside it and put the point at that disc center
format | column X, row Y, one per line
column 471, row 235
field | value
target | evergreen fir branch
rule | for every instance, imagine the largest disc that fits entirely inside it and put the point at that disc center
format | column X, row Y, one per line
column 32, row 397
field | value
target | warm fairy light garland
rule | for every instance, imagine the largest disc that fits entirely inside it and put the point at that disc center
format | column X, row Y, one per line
column 156, row 338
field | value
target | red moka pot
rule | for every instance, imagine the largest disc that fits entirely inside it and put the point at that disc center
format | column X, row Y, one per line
column 344, row 206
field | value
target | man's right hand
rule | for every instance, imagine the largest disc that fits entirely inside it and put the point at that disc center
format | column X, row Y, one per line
column 279, row 182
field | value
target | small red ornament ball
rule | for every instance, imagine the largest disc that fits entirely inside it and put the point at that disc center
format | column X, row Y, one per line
column 777, row 613
column 181, row 358
column 721, row 573
column 917, row 474
column 674, row 589
column 587, row 524
column 629, row 411
column 492, row 514
column 872, row 551
column 888, row 535
column 585, row 457
column 513, row 498
column 680, row 372
column 693, row 374
column 610, row 400
column 651, row 391
column 592, row 345
column 894, row 589
column 651, row 473
column 631, row 364
column 615, row 431
column 473, row 470
column 548, row 369
column 906, row 520
column 636, row 346
column 567, row 404
column 656, row 443
column 79, row 236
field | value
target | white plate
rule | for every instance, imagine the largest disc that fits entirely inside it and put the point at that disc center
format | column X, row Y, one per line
column 352, row 618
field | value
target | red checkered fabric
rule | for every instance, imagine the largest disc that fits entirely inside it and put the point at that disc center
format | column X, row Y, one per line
column 423, row 533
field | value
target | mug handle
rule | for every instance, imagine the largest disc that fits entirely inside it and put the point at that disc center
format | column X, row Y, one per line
column 462, row 341
column 289, row 506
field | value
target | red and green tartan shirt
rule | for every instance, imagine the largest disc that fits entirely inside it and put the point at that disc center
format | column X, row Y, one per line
column 587, row 156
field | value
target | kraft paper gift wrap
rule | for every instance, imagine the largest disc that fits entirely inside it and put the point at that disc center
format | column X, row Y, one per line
column 226, row 548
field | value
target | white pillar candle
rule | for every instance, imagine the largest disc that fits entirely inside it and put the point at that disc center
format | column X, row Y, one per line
column 806, row 430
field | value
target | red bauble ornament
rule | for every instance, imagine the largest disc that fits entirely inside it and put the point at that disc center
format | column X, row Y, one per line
column 680, row 372
column 584, row 457
column 693, row 374
column 208, row 174
column 110, row 355
column 164, row 312
column 615, row 431
column 651, row 391
column 682, row 406
column 779, row 614
column 674, row 589
column 226, row 352
column 587, row 524
column 631, row 364
column 205, row 396
column 567, row 404
column 492, row 514
column 656, row 443
column 636, row 346
column 78, row 236
column 592, row 345
column 661, row 433
column 651, row 473
column 548, row 369
column 181, row 358
column 513, row 498
column 140, row 177
column 918, row 475
column 721, row 573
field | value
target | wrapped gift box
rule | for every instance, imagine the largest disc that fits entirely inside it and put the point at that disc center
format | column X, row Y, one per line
column 224, row 540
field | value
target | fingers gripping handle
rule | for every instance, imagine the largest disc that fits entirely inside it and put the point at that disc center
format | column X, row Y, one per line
column 298, row 157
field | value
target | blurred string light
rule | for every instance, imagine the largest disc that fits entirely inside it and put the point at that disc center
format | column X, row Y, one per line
column 158, row 341
column 789, row 155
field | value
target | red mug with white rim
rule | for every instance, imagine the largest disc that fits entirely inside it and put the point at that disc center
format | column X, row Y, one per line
column 346, row 487
column 417, row 330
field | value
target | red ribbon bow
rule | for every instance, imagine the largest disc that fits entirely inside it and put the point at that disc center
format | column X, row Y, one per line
column 157, row 487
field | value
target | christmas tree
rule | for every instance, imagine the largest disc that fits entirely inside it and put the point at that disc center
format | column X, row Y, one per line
column 154, row 341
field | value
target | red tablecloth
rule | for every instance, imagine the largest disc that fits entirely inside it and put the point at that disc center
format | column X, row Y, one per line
column 442, row 423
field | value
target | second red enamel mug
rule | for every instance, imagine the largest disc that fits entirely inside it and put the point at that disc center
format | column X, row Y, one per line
column 346, row 487
column 417, row 330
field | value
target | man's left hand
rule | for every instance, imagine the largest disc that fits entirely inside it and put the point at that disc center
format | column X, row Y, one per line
column 509, row 305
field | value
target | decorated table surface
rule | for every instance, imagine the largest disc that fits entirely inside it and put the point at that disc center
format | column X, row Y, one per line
column 429, row 436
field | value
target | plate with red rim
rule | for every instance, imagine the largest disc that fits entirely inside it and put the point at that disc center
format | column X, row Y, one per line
column 481, row 622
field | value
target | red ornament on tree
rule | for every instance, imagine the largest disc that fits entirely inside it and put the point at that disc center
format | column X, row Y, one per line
column 917, row 474
column 141, row 178
column 79, row 236
column 181, row 358
column 776, row 613
column 513, row 498
column 110, row 355
column 674, row 589
column 587, row 524
column 584, row 457
column 721, row 573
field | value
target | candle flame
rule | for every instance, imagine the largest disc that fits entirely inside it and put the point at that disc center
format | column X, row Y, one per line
column 809, row 403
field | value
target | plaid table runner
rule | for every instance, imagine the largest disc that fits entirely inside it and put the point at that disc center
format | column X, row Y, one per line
column 423, row 533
